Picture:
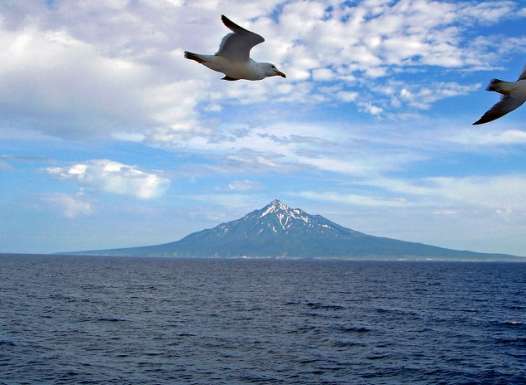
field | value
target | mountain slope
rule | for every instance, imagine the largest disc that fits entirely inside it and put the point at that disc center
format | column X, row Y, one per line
column 277, row 230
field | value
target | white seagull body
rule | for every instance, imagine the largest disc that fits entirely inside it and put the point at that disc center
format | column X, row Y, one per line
column 233, row 58
column 513, row 96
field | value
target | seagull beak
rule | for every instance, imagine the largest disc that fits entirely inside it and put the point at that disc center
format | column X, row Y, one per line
column 279, row 73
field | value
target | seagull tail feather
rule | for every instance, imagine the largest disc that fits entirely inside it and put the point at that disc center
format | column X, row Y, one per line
column 500, row 86
column 194, row 56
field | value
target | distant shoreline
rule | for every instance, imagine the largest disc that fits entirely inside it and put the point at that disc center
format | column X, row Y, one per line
column 246, row 258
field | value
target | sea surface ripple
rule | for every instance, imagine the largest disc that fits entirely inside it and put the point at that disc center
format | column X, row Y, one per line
column 101, row 320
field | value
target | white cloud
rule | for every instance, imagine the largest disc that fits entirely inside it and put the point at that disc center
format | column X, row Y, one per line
column 488, row 137
column 114, row 177
column 354, row 199
column 230, row 201
column 505, row 192
column 70, row 206
column 287, row 146
column 347, row 96
column 74, row 89
column 425, row 205
column 332, row 164
column 501, row 192
column 243, row 185
column 422, row 96
column 127, row 77
column 488, row 11
column 322, row 74
column 445, row 212
column 371, row 108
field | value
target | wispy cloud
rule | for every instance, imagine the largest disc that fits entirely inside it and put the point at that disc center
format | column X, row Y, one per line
column 503, row 192
column 71, row 206
column 240, row 202
column 244, row 185
column 422, row 96
column 489, row 137
column 354, row 199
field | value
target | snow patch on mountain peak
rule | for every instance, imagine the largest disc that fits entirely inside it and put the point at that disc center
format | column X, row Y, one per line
column 285, row 215
column 275, row 206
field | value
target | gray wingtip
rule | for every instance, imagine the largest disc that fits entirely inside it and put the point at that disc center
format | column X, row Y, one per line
column 230, row 24
column 484, row 119
column 236, row 28
column 492, row 84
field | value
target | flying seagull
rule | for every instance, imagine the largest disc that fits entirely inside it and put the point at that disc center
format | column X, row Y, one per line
column 513, row 96
column 233, row 58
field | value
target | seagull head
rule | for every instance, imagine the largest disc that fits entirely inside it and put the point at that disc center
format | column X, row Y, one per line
column 271, row 70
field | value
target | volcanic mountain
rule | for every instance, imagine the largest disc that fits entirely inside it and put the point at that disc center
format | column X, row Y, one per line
column 277, row 230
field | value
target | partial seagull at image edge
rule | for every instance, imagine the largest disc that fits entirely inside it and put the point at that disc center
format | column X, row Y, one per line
column 233, row 58
column 513, row 96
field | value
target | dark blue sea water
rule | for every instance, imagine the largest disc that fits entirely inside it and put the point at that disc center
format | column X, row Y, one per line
column 73, row 320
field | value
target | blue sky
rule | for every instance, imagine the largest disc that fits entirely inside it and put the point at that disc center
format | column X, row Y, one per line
column 110, row 138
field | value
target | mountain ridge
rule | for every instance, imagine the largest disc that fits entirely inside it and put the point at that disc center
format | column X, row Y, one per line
column 280, row 231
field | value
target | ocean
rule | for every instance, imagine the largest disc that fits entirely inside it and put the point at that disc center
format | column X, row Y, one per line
column 109, row 320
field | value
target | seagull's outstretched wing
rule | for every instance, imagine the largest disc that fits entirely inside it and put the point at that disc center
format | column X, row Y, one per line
column 523, row 74
column 507, row 104
column 236, row 46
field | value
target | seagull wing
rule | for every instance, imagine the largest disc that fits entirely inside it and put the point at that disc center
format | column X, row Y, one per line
column 236, row 46
column 523, row 74
column 507, row 104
